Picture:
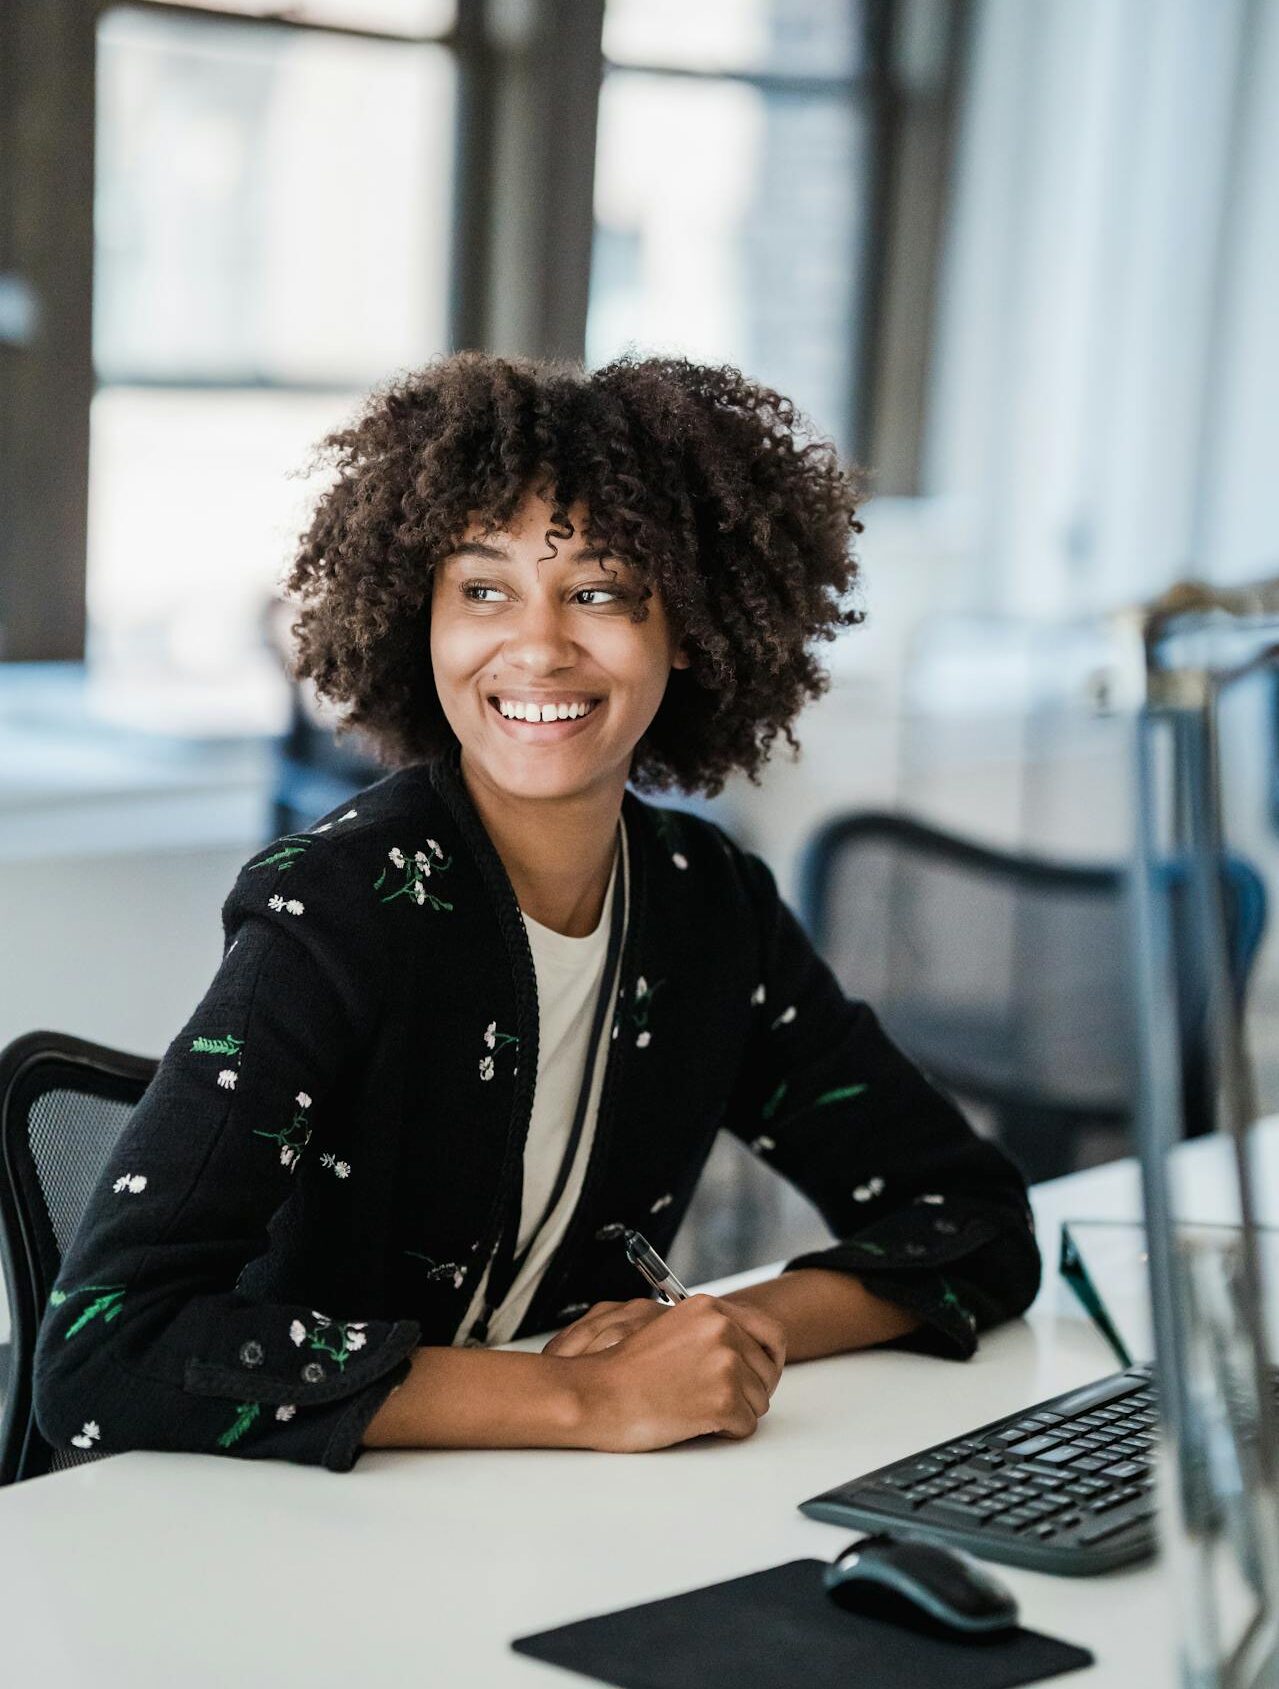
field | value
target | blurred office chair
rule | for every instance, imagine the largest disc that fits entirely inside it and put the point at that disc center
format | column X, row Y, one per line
column 63, row 1105
column 314, row 772
column 1004, row 977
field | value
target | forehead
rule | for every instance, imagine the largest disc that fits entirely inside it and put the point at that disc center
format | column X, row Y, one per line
column 501, row 549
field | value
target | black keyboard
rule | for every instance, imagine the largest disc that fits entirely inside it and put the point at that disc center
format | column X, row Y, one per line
column 1066, row 1486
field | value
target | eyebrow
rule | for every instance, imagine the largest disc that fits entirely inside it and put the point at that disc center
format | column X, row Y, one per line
column 495, row 554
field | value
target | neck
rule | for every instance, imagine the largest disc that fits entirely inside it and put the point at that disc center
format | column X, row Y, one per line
column 558, row 853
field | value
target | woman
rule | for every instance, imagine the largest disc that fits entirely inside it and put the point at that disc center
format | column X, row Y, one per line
column 472, row 1024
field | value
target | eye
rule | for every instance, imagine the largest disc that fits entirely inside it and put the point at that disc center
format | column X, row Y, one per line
column 613, row 592
column 475, row 586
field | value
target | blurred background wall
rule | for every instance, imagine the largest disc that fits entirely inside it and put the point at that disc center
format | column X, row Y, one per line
column 1016, row 259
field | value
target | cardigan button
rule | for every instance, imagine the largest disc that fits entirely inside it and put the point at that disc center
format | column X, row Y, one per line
column 252, row 1353
column 312, row 1372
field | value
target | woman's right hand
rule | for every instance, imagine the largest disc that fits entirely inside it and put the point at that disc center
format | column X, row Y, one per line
column 705, row 1366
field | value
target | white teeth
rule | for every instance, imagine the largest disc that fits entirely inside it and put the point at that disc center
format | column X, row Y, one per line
column 518, row 711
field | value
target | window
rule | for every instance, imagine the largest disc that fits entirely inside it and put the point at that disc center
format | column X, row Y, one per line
column 732, row 196
column 272, row 208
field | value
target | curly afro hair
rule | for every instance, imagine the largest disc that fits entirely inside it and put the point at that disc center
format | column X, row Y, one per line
column 692, row 473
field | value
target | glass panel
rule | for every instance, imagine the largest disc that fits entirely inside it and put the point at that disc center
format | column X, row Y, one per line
column 196, row 504
column 727, row 226
column 271, row 205
column 796, row 37
column 396, row 17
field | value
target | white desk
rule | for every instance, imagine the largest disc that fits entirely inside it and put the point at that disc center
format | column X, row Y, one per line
column 150, row 1570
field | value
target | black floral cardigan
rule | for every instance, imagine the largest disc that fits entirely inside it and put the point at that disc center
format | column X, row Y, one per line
column 313, row 1178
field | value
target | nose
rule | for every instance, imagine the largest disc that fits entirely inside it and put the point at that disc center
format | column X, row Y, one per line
column 538, row 639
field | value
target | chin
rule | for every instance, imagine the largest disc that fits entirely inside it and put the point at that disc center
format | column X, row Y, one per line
column 539, row 776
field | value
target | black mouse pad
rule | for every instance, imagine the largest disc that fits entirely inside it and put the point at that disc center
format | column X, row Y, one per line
column 778, row 1628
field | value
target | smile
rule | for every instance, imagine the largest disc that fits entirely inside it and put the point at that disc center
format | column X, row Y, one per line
column 544, row 732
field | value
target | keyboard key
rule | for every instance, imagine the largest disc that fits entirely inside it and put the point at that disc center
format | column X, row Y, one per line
column 1033, row 1446
column 951, row 1513
column 883, row 1501
column 1090, row 1463
column 1125, row 1469
column 1109, row 1527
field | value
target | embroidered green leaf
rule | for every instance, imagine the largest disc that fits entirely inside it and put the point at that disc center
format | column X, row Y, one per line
column 245, row 1415
column 229, row 1045
column 96, row 1307
column 870, row 1248
column 57, row 1298
column 840, row 1095
column 284, row 859
column 771, row 1106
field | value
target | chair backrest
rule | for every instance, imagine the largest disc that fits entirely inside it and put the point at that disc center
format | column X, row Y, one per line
column 63, row 1104
column 1004, row 976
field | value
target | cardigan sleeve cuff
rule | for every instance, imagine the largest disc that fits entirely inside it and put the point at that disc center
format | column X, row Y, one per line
column 949, row 1327
column 346, row 1445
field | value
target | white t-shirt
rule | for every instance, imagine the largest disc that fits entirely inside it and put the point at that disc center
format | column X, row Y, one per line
column 569, row 971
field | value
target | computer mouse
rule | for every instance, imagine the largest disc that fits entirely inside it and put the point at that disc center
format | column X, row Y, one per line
column 940, row 1591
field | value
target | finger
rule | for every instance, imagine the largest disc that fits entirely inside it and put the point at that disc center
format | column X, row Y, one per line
column 611, row 1334
column 765, row 1331
column 579, row 1338
column 568, row 1341
column 752, row 1355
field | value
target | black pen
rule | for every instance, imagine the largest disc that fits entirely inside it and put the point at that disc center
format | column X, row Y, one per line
column 650, row 1263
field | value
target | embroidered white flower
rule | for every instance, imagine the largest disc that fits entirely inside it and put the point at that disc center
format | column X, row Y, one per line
column 486, row 1067
column 396, row 855
column 322, row 828
column 227, row 1078
column 328, row 1158
column 419, row 856
column 785, row 1018
column 418, row 893
column 871, row 1189
column 276, row 902
column 88, row 1435
column 319, row 1318
column 643, row 1039
column 286, row 1410
column 615, row 1029
column 458, row 1276
column 759, row 1145
column 662, row 1202
column 931, row 1198
column 297, row 1331
column 758, row 995
column 303, row 1101
column 679, row 859
column 355, row 1339
column 358, row 1325
column 135, row 1183
column 286, row 1156
column 489, row 1034
column 343, row 1170
column 294, row 907
column 641, row 986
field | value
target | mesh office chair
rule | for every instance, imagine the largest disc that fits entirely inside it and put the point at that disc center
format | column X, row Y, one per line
column 1005, row 977
column 63, row 1105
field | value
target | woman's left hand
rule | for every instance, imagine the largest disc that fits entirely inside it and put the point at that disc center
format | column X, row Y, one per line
column 603, row 1325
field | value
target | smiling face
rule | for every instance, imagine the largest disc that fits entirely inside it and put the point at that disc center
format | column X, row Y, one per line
column 513, row 627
